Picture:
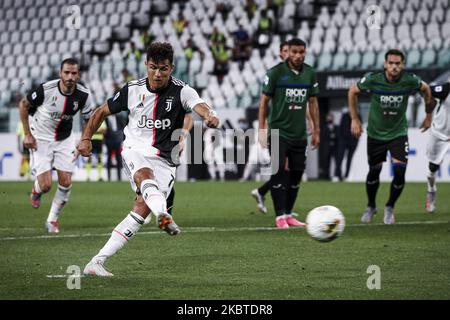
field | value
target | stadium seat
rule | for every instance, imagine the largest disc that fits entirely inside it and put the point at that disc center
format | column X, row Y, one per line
column 43, row 12
column 23, row 25
column 310, row 59
column 379, row 60
column 15, row 37
column 445, row 40
column 57, row 23
column 6, row 50
column 133, row 7
column 443, row 59
column 145, row 6
column 17, row 49
column 408, row 17
column 329, row 43
column 32, row 60
column 99, row 8
column 3, row 25
column 428, row 58
column 400, row 5
column 325, row 60
column 354, row 60
column 54, row 11
column 339, row 60
column 393, row 18
column 35, row 25
column 3, row 70
column 13, row 25
column 413, row 58
column 12, row 73
column 304, row 32
column 23, row 73
column 4, row 38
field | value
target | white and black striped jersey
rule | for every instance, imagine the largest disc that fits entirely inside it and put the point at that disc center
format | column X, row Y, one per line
column 52, row 111
column 440, row 127
column 153, row 115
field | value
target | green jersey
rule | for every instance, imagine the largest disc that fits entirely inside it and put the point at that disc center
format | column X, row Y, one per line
column 388, row 103
column 290, row 91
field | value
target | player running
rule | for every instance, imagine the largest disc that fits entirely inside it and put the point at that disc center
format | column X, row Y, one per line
column 438, row 141
column 46, row 114
column 387, row 128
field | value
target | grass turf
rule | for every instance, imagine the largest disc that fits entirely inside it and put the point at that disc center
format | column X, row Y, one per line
column 239, row 259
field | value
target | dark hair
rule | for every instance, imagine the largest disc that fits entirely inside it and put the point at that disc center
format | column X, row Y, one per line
column 160, row 51
column 71, row 61
column 395, row 52
column 296, row 42
column 282, row 44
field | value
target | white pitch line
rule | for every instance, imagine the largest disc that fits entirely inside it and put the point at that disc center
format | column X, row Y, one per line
column 208, row 229
column 65, row 276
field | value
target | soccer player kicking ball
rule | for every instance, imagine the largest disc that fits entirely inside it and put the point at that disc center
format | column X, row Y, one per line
column 438, row 141
column 387, row 128
column 157, row 106
column 47, row 115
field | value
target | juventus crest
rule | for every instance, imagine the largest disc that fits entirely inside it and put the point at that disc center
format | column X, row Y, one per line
column 169, row 101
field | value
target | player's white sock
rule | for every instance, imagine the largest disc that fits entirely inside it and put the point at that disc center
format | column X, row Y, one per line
column 37, row 188
column 431, row 177
column 59, row 201
column 121, row 234
column 153, row 198
column 212, row 171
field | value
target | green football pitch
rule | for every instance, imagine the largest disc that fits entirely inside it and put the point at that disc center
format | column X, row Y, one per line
column 227, row 249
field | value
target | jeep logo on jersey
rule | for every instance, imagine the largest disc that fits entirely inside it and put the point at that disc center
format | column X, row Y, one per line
column 391, row 101
column 145, row 122
column 296, row 95
column 59, row 115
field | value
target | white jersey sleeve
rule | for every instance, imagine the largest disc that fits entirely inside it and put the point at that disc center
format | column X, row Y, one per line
column 88, row 107
column 190, row 98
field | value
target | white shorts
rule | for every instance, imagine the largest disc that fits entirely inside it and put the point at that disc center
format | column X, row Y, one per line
column 163, row 172
column 53, row 154
column 436, row 149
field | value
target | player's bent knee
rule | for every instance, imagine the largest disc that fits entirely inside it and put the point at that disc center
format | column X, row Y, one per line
column 399, row 173
column 65, row 183
column 143, row 174
column 295, row 176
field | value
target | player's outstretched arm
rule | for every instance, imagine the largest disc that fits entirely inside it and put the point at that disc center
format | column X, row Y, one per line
column 188, row 123
column 353, row 108
column 262, row 115
column 85, row 146
column 29, row 141
column 430, row 103
column 314, row 113
column 209, row 115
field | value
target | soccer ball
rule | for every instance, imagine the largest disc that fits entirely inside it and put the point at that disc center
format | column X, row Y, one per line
column 325, row 223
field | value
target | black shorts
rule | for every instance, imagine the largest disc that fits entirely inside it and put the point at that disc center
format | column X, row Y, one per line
column 97, row 146
column 377, row 149
column 294, row 151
